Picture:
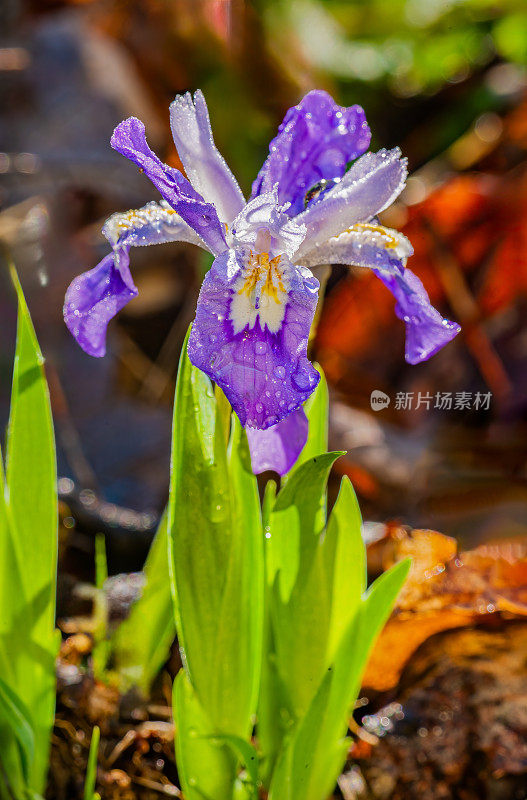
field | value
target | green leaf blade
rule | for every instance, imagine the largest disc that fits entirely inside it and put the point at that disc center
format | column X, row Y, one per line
column 206, row 769
column 29, row 575
column 216, row 556
column 91, row 769
column 141, row 644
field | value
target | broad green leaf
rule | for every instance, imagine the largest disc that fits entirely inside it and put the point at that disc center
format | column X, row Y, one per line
column 142, row 642
column 344, row 557
column 273, row 712
column 298, row 518
column 275, row 717
column 17, row 743
column 91, row 769
column 215, row 537
column 248, row 758
column 206, row 768
column 28, row 640
column 304, row 740
column 315, row 754
column 245, row 584
column 300, row 601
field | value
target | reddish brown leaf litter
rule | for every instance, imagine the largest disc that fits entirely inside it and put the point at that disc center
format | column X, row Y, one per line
column 444, row 590
column 453, row 717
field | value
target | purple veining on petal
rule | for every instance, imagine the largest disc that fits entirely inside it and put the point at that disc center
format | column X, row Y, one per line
column 426, row 330
column 278, row 447
column 316, row 140
column 94, row 297
column 129, row 139
column 264, row 375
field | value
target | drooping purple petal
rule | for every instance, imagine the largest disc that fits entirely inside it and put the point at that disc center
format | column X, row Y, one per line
column 205, row 166
column 265, row 375
column 426, row 330
column 278, row 447
column 316, row 140
column 370, row 185
column 129, row 139
column 364, row 245
column 94, row 297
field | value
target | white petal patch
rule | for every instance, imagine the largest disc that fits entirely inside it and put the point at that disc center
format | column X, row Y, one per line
column 261, row 292
column 262, row 213
column 358, row 244
column 155, row 223
column 206, row 168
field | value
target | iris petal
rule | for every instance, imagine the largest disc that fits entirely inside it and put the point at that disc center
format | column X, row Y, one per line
column 205, row 166
column 277, row 448
column 263, row 213
column 316, row 140
column 154, row 223
column 96, row 296
column 363, row 245
column 265, row 375
column 426, row 330
column 370, row 185
column 129, row 139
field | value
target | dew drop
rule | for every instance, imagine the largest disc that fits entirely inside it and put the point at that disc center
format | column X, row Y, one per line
column 301, row 379
column 260, row 347
column 279, row 372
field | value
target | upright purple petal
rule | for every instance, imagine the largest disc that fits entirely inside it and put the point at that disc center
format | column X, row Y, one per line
column 264, row 372
column 205, row 166
column 264, row 225
column 315, row 142
column 278, row 447
column 129, row 139
column 96, row 296
column 426, row 330
column 368, row 187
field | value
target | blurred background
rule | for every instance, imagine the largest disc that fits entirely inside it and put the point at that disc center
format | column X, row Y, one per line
column 445, row 80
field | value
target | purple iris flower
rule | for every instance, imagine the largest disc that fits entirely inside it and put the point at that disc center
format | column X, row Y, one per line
column 258, row 300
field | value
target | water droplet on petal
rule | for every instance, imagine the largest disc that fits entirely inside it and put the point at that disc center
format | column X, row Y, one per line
column 301, row 379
